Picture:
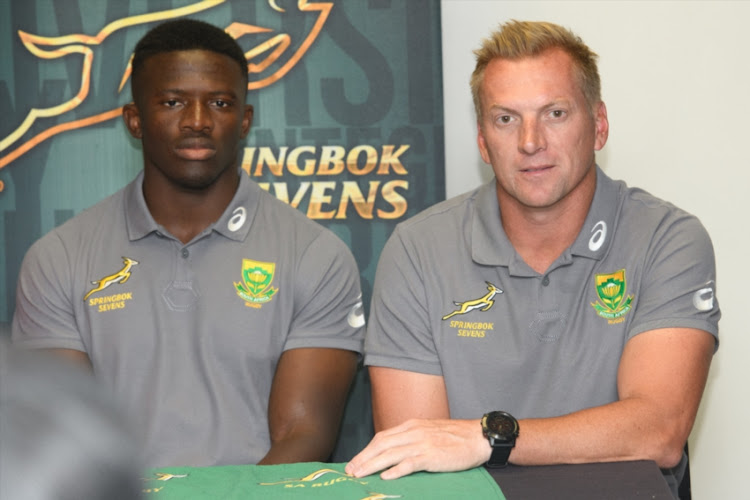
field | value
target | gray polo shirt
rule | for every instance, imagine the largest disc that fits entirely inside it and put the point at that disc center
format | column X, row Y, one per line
column 453, row 298
column 188, row 336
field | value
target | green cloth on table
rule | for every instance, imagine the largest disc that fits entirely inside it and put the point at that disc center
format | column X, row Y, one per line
column 312, row 480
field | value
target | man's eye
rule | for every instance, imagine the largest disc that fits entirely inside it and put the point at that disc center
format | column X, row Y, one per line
column 557, row 113
column 221, row 103
column 171, row 103
column 505, row 119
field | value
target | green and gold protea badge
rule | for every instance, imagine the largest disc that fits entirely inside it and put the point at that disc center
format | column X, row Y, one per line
column 256, row 288
column 612, row 304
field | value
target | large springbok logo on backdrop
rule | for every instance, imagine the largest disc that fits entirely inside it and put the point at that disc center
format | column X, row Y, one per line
column 271, row 56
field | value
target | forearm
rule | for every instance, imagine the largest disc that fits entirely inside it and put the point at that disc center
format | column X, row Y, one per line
column 630, row 429
column 303, row 446
column 661, row 378
column 306, row 404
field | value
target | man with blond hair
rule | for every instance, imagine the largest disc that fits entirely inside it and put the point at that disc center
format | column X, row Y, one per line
column 575, row 313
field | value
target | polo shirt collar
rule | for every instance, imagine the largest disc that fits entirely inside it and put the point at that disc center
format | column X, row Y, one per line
column 598, row 229
column 490, row 245
column 237, row 218
column 137, row 217
column 234, row 223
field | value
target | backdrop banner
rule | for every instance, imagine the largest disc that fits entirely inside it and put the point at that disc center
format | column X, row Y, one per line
column 348, row 124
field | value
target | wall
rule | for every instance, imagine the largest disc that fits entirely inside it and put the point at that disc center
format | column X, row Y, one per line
column 675, row 77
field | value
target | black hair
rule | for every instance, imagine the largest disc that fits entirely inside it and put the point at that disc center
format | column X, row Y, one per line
column 186, row 34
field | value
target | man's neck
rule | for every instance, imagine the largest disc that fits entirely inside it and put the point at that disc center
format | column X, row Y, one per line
column 185, row 213
column 541, row 235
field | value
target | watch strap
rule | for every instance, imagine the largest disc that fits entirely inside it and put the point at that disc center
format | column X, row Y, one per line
column 500, row 454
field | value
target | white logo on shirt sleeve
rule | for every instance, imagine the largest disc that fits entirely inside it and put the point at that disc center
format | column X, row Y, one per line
column 703, row 299
column 237, row 220
column 356, row 317
column 599, row 237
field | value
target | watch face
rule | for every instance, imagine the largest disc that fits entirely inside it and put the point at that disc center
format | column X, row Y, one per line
column 502, row 425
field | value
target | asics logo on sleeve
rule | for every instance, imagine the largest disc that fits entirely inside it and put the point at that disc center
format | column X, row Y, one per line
column 356, row 317
column 703, row 299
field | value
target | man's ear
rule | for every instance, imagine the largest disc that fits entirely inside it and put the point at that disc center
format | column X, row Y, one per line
column 247, row 120
column 482, row 143
column 602, row 126
column 132, row 120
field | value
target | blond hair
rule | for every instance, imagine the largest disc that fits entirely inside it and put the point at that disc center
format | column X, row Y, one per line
column 520, row 39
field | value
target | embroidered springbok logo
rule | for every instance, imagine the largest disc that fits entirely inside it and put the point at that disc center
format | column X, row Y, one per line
column 120, row 276
column 484, row 303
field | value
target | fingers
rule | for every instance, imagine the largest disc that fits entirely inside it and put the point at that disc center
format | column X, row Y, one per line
column 417, row 445
column 394, row 462
column 406, row 467
column 386, row 449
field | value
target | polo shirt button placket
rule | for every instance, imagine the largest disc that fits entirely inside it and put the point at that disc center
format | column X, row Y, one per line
column 185, row 253
column 545, row 281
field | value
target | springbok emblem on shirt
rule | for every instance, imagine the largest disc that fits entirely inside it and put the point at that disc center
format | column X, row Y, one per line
column 483, row 303
column 120, row 276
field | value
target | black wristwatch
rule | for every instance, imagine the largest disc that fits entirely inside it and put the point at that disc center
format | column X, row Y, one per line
column 501, row 430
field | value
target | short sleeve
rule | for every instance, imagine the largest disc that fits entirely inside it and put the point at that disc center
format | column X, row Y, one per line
column 328, row 308
column 44, row 317
column 679, row 283
column 399, row 333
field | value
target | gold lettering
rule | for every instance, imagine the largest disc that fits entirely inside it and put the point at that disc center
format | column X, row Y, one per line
column 266, row 157
column 328, row 155
column 390, row 159
column 300, row 194
column 111, row 306
column 330, row 199
column 328, row 160
column 371, row 160
column 292, row 165
column 317, row 198
column 281, row 192
column 110, row 301
column 352, row 193
column 471, row 333
column 247, row 161
column 397, row 201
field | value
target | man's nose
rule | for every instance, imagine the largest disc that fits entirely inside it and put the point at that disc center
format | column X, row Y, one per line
column 197, row 116
column 532, row 137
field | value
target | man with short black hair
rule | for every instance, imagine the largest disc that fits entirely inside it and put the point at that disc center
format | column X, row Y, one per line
column 226, row 321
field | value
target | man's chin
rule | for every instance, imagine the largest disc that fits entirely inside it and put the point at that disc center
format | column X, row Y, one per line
column 196, row 180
